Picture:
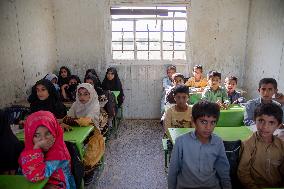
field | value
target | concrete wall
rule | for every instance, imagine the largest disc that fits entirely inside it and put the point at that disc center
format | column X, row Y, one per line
column 265, row 49
column 27, row 46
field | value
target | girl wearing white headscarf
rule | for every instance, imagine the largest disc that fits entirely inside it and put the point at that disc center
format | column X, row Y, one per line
column 54, row 79
column 90, row 108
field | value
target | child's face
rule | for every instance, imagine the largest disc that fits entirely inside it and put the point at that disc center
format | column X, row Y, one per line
column 267, row 91
column 42, row 92
column 170, row 72
column 54, row 81
column 90, row 81
column 230, row 85
column 63, row 73
column 181, row 99
column 197, row 73
column 266, row 125
column 214, row 82
column 84, row 95
column 44, row 138
column 110, row 75
column 73, row 82
column 204, row 126
column 178, row 81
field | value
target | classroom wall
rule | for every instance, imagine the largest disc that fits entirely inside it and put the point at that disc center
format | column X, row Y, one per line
column 27, row 46
column 265, row 44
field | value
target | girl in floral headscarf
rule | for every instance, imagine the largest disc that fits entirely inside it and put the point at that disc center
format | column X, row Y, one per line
column 45, row 154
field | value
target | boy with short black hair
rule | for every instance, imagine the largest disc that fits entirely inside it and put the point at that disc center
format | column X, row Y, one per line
column 198, row 159
column 197, row 81
column 262, row 158
column 267, row 87
column 231, row 85
column 177, row 79
column 214, row 92
column 179, row 115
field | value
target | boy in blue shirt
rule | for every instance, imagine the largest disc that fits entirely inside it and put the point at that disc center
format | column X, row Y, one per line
column 198, row 159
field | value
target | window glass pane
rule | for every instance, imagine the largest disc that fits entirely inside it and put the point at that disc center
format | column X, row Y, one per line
column 128, row 45
column 180, row 36
column 142, row 55
column 127, row 55
column 167, row 55
column 155, row 46
column 179, row 46
column 167, row 25
column 167, row 46
column 141, row 36
column 119, row 25
column 128, row 36
column 141, row 25
column 154, row 36
column 180, row 55
column 168, row 36
column 154, row 55
column 116, row 45
column 142, row 45
column 180, row 25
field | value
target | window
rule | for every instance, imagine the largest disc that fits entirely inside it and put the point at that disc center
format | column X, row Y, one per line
column 149, row 33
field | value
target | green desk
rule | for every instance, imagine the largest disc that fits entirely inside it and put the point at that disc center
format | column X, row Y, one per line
column 19, row 181
column 226, row 133
column 77, row 136
column 233, row 117
column 116, row 93
column 194, row 97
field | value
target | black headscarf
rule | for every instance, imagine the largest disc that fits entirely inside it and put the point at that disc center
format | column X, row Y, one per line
column 11, row 147
column 61, row 80
column 97, row 86
column 114, row 85
column 52, row 103
column 71, row 91
column 94, row 73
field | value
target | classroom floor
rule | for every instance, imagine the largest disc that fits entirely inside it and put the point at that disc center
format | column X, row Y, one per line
column 135, row 159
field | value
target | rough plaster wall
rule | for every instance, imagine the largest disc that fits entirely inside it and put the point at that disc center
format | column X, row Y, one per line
column 27, row 46
column 80, row 35
column 218, row 35
column 265, row 56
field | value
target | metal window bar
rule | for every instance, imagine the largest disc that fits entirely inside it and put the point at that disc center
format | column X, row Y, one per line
column 148, row 36
column 173, row 56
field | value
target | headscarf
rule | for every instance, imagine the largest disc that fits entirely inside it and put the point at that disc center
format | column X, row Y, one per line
column 58, row 150
column 91, row 109
column 93, row 72
column 52, row 103
column 61, row 80
column 50, row 77
column 114, row 85
column 10, row 145
column 97, row 85
column 71, row 91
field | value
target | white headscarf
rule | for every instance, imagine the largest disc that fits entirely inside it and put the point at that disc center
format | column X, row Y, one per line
column 91, row 109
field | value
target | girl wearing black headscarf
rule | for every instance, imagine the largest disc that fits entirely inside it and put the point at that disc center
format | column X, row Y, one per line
column 10, row 146
column 112, row 82
column 94, row 73
column 63, row 77
column 45, row 97
column 92, row 79
column 68, row 91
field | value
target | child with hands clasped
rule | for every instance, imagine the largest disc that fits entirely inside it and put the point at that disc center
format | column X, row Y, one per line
column 45, row 155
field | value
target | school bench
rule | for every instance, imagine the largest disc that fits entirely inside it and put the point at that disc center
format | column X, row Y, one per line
column 119, row 116
column 232, row 117
column 19, row 181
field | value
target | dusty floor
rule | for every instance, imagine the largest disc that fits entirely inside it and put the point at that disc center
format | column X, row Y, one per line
column 135, row 159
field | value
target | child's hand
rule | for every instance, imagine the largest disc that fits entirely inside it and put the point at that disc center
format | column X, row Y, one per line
column 65, row 86
column 44, row 144
column 66, row 127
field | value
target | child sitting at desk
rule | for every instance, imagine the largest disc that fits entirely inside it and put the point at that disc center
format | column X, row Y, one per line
column 198, row 159
column 45, row 155
column 167, row 84
column 178, row 79
column 197, row 81
column 10, row 146
column 54, row 79
column 86, row 104
column 112, row 82
column 267, row 87
column 63, row 77
column 68, row 91
column 214, row 92
column 231, row 85
column 262, row 158
column 94, row 73
column 45, row 97
column 179, row 115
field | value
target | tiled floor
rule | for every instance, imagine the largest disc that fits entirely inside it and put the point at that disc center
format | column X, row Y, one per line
column 135, row 159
